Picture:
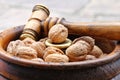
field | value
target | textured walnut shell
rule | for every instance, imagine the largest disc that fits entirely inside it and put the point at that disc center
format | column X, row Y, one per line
column 26, row 52
column 56, row 58
column 88, row 39
column 13, row 45
column 103, row 55
column 39, row 47
column 28, row 41
column 43, row 40
column 90, row 57
column 38, row 60
column 97, row 52
column 52, row 50
column 78, row 51
column 58, row 33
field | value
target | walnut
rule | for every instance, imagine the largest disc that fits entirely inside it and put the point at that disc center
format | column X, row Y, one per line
column 26, row 52
column 39, row 47
column 56, row 58
column 80, row 48
column 43, row 40
column 38, row 60
column 97, row 52
column 103, row 55
column 13, row 45
column 52, row 50
column 28, row 41
column 90, row 57
column 58, row 33
column 88, row 39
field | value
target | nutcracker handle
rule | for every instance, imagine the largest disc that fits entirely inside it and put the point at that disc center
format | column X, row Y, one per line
column 109, row 30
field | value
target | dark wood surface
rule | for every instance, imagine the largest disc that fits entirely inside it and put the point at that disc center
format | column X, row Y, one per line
column 3, row 78
column 115, row 78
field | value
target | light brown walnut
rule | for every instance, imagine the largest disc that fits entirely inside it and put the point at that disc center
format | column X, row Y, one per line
column 80, row 48
column 103, row 55
column 90, row 57
column 37, row 60
column 88, row 39
column 52, row 50
column 56, row 58
column 97, row 52
column 28, row 41
column 13, row 45
column 39, row 47
column 58, row 33
column 43, row 40
column 26, row 52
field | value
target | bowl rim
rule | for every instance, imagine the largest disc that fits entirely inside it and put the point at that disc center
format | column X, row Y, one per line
column 114, row 55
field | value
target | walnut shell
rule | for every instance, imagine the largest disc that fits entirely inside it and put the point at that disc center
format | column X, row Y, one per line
column 97, row 52
column 103, row 55
column 13, row 45
column 58, row 33
column 80, row 48
column 26, row 52
column 39, row 47
column 78, row 51
column 56, row 58
column 43, row 40
column 28, row 41
column 52, row 50
column 38, row 60
column 88, row 39
column 90, row 57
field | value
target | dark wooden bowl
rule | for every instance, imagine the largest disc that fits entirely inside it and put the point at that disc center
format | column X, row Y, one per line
column 21, row 69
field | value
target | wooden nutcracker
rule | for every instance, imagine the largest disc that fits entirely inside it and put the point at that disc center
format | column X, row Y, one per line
column 32, row 28
column 109, row 30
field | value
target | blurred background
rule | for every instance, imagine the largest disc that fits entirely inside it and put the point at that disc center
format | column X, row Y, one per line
column 17, row 12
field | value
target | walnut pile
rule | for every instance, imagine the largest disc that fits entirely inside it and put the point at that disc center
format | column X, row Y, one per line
column 64, row 49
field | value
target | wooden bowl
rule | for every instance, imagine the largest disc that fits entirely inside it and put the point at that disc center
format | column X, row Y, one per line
column 20, row 69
